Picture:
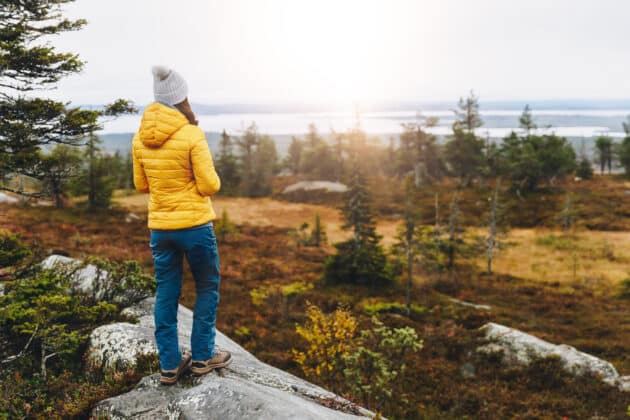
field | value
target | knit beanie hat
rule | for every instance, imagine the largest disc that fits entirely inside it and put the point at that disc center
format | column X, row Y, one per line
column 169, row 86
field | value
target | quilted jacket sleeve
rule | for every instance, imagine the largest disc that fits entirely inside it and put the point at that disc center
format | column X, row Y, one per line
column 206, row 177
column 139, row 177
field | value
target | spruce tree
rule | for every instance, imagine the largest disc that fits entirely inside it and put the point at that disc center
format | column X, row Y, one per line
column 361, row 259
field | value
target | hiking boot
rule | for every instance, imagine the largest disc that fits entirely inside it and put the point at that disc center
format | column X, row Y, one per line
column 169, row 377
column 221, row 359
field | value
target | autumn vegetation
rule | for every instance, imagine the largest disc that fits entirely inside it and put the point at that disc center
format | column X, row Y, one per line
column 362, row 295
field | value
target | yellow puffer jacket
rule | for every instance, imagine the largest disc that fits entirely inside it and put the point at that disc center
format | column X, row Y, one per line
column 172, row 162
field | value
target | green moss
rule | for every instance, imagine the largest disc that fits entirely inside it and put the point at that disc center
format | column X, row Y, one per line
column 374, row 307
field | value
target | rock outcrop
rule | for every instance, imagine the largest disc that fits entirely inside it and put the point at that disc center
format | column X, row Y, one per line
column 519, row 348
column 247, row 389
column 325, row 186
column 89, row 279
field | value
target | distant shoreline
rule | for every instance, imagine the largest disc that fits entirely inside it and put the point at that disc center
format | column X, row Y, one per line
column 395, row 106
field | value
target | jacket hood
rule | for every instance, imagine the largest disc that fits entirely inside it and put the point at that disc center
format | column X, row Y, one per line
column 159, row 123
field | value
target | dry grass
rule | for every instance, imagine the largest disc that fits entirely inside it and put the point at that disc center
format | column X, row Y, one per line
column 600, row 258
column 597, row 259
column 270, row 212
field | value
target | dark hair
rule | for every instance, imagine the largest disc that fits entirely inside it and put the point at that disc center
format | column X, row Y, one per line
column 185, row 108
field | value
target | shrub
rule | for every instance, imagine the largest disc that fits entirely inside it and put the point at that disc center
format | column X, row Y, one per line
column 224, row 227
column 12, row 250
column 125, row 282
column 330, row 339
column 370, row 365
column 584, row 169
column 375, row 368
column 38, row 315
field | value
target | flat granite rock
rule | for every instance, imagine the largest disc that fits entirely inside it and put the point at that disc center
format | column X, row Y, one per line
column 520, row 348
column 247, row 389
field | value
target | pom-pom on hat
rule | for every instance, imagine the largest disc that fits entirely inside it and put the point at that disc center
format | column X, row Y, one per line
column 169, row 86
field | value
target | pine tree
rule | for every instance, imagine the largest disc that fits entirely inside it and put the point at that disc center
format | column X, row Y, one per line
column 265, row 166
column 467, row 115
column 623, row 155
column 359, row 260
column 492, row 241
column 409, row 234
column 428, row 164
column 247, row 144
column 227, row 166
column 317, row 158
column 623, row 150
column 29, row 63
column 526, row 121
column 604, row 145
column 96, row 178
column 59, row 168
column 338, row 151
column 453, row 238
column 464, row 153
column 292, row 161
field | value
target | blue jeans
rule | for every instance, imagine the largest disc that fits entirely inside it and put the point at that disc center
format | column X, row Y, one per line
column 199, row 244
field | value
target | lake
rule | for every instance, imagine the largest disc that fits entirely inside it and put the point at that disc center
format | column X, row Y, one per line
column 498, row 123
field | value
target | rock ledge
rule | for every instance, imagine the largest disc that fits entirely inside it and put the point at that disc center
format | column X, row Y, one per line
column 247, row 389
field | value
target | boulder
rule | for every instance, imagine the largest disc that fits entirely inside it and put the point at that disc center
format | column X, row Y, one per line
column 89, row 279
column 247, row 389
column 6, row 198
column 519, row 348
column 84, row 279
column 326, row 186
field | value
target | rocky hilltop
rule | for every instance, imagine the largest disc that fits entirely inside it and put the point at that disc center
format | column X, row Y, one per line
column 247, row 389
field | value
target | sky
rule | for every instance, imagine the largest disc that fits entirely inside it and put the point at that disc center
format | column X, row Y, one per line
column 349, row 52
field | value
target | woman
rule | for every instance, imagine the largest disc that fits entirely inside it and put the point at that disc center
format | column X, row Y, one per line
column 172, row 162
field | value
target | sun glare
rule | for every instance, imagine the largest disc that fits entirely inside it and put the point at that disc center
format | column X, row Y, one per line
column 340, row 53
